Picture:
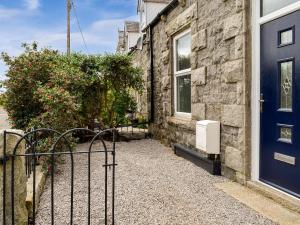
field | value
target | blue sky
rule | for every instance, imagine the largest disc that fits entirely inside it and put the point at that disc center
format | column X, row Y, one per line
column 44, row 21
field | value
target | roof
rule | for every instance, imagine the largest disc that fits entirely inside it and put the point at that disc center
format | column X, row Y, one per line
column 132, row 26
column 153, row 1
column 172, row 5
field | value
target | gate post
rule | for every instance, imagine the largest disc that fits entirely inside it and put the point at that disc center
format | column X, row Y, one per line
column 20, row 180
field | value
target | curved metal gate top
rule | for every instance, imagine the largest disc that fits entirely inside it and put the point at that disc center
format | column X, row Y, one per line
column 61, row 147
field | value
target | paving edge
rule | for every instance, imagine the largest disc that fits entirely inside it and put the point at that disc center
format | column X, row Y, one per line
column 260, row 203
column 39, row 187
column 277, row 196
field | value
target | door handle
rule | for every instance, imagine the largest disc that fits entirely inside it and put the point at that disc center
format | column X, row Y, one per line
column 261, row 101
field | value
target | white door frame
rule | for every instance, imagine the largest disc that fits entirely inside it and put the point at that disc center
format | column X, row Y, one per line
column 257, row 21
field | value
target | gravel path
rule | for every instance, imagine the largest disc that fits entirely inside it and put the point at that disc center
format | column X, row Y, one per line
column 153, row 187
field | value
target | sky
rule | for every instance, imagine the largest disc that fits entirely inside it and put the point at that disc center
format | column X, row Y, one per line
column 44, row 21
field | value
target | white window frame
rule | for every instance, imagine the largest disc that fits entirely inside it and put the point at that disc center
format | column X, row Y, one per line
column 257, row 21
column 179, row 73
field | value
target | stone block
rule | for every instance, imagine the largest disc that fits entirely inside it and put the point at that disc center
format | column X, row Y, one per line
column 240, row 94
column 233, row 71
column 198, row 111
column 199, row 40
column 239, row 5
column 165, row 82
column 194, row 26
column 239, row 46
column 182, row 20
column 213, row 111
column 166, row 56
column 196, row 94
column 194, row 60
column 233, row 26
column 39, row 187
column 21, row 215
column 234, row 159
column 198, row 76
column 233, row 115
column 220, row 55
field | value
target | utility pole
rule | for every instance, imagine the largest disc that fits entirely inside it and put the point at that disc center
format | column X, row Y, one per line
column 68, row 27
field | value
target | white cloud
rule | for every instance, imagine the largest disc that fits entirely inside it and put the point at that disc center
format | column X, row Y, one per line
column 101, row 36
column 32, row 4
column 7, row 13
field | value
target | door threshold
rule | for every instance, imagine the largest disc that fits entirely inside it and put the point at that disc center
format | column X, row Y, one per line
column 283, row 198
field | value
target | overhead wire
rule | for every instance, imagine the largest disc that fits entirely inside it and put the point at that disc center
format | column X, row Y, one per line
column 79, row 27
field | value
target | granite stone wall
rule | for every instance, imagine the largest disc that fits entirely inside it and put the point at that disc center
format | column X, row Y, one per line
column 20, row 181
column 141, row 59
column 220, row 77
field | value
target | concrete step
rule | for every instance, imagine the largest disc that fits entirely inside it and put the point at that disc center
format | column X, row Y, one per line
column 260, row 203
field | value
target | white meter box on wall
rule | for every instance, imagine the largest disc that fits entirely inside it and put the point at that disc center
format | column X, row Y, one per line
column 208, row 136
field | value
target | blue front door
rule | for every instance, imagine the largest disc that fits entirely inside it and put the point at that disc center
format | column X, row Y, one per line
column 280, row 104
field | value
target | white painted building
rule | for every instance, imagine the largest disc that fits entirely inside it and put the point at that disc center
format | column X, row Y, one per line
column 132, row 37
column 148, row 10
column 132, row 34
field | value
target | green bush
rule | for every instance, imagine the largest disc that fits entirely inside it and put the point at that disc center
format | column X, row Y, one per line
column 2, row 99
column 48, row 89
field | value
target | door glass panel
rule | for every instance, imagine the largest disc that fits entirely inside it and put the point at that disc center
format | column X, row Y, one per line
column 286, row 134
column 269, row 6
column 286, row 81
column 184, row 94
column 286, row 37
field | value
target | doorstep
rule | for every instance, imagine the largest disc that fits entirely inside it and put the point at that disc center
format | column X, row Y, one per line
column 265, row 206
column 278, row 196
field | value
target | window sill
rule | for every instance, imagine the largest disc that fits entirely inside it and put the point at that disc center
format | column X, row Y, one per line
column 184, row 122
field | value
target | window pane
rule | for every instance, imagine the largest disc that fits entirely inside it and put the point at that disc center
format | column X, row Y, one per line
column 286, row 37
column 183, row 52
column 286, row 82
column 184, row 94
column 286, row 133
column 269, row 6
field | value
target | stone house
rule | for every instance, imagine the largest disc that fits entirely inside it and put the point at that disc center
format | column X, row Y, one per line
column 128, row 37
column 236, row 62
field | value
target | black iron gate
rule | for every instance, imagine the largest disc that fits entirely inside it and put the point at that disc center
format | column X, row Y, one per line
column 61, row 146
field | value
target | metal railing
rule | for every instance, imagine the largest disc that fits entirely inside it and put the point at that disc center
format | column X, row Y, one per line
column 31, row 156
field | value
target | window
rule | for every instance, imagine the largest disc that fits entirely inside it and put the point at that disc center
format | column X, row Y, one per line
column 182, row 73
column 286, row 37
column 286, row 85
column 285, row 133
column 269, row 6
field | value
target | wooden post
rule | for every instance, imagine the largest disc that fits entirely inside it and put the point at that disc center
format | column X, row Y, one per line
column 68, row 27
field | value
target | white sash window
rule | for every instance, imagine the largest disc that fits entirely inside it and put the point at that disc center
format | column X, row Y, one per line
column 182, row 73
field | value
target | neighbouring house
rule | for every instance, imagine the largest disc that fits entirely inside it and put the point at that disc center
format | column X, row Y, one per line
column 131, row 34
column 148, row 10
column 121, row 42
column 232, row 61
column 128, row 38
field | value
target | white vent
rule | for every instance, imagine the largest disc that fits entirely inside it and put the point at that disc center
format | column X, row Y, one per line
column 208, row 136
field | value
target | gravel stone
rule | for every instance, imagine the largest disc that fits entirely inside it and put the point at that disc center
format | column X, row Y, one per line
column 153, row 186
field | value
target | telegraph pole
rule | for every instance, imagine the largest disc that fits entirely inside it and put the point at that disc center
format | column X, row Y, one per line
column 68, row 27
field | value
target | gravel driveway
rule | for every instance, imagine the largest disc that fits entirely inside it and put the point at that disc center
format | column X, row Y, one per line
column 153, row 186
